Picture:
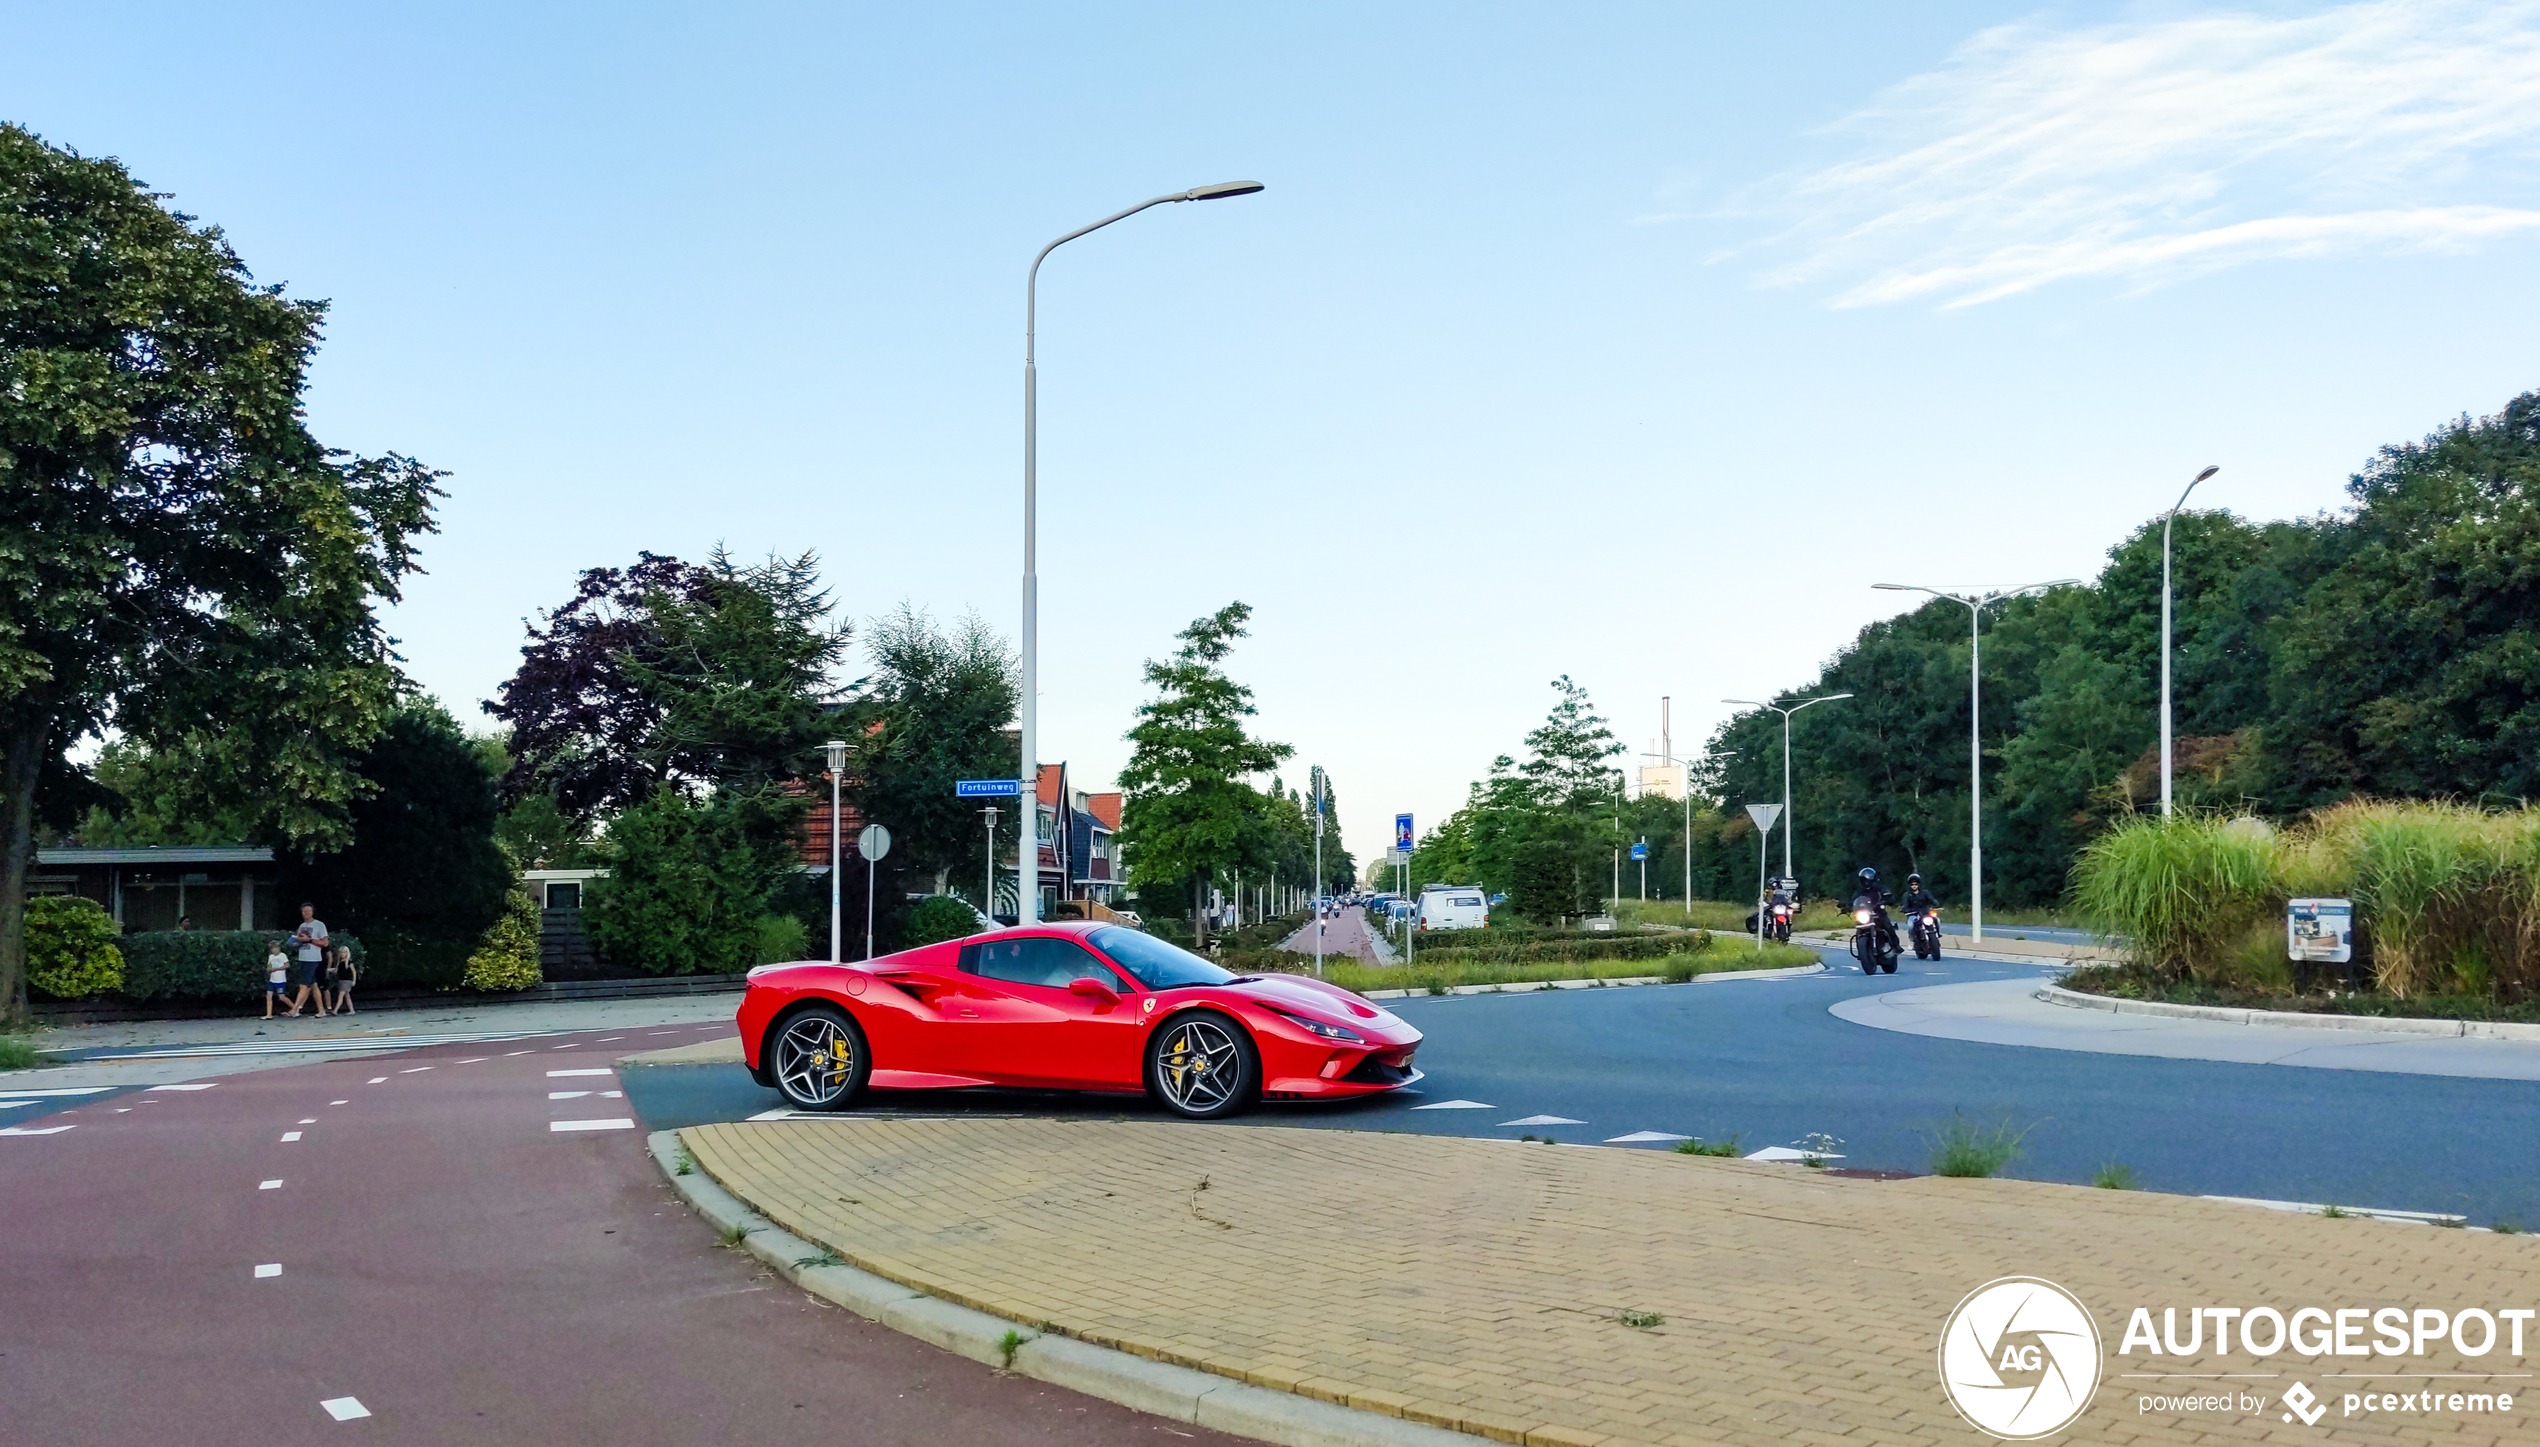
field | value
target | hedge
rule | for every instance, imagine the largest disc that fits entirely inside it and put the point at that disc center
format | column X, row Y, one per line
column 1549, row 948
column 205, row 964
column 70, row 948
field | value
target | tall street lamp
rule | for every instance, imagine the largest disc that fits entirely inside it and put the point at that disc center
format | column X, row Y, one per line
column 1976, row 604
column 1786, row 713
column 837, row 750
column 1028, row 888
column 2166, row 519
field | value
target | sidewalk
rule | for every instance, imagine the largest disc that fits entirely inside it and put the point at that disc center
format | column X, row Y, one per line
column 1347, row 935
column 1484, row 1285
column 2008, row 1012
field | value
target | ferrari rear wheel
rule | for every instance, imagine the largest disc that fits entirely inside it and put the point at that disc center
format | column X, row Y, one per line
column 1203, row 1065
column 819, row 1059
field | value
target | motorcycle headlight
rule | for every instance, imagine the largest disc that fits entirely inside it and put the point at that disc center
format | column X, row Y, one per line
column 1860, row 916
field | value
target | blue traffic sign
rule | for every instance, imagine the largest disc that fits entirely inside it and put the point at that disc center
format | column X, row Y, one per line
column 986, row 788
column 1402, row 831
column 1640, row 851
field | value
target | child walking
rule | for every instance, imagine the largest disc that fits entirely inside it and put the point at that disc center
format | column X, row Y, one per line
column 343, row 973
column 277, row 975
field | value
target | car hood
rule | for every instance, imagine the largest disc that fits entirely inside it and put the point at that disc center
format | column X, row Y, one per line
column 1323, row 1001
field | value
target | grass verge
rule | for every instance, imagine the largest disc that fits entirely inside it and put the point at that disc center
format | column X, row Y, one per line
column 2138, row 982
column 1965, row 1149
column 16, row 1054
column 1351, row 975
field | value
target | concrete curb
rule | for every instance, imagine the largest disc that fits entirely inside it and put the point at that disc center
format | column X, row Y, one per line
column 1528, row 987
column 2294, row 1019
column 1160, row 1388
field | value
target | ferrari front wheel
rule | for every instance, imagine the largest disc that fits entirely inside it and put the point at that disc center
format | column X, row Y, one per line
column 1202, row 1065
column 819, row 1059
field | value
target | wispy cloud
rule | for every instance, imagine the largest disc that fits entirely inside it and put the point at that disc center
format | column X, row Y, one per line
column 2147, row 151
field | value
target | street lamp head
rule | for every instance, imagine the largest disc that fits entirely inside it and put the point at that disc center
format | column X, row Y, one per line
column 1220, row 191
column 2208, row 472
column 1746, row 703
column 837, row 750
column 1896, row 587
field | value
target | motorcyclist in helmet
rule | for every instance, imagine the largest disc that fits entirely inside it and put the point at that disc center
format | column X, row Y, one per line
column 1917, row 898
column 1866, row 894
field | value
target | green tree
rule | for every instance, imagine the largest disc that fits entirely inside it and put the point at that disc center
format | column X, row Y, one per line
column 935, row 711
column 180, row 561
column 1187, row 810
column 690, row 881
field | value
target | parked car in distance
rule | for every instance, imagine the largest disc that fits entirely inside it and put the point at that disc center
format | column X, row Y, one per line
column 1453, row 906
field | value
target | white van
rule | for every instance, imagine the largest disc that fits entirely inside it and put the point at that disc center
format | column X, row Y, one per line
column 1453, row 906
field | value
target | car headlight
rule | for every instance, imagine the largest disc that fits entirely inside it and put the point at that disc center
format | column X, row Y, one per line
column 1860, row 916
column 1329, row 1032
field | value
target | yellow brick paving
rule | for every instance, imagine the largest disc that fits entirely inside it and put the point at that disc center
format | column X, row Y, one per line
column 1479, row 1284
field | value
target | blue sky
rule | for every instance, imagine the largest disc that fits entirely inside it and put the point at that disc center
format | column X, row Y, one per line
column 1629, row 342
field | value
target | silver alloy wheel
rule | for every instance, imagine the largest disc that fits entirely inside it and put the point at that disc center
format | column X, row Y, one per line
column 1200, row 1067
column 815, row 1060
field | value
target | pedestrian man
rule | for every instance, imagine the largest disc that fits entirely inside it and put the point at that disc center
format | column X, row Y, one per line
column 312, row 941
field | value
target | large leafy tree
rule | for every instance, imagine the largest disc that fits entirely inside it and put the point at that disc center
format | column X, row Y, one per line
column 180, row 560
column 935, row 711
column 1189, row 812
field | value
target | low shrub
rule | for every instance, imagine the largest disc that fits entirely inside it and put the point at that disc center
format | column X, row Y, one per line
column 1547, row 947
column 16, row 1054
column 507, row 958
column 70, row 947
column 936, row 918
column 782, row 939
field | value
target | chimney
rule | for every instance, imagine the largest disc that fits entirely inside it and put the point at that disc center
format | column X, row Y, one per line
column 1666, row 739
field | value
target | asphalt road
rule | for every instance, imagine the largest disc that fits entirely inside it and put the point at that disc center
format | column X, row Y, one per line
column 1761, row 1060
column 446, row 1262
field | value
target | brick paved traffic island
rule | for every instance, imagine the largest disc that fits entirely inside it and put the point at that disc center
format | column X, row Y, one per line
column 1554, row 1294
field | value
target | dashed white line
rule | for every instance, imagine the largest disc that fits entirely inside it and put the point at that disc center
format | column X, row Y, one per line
column 603, row 1070
column 508, row 1054
column 615, row 1123
column 35, row 1129
column 345, row 1409
column 566, row 1094
column 605, row 1039
column 414, row 1070
column 270, row 1268
column 290, row 1136
column 475, row 1059
column 198, row 1085
column 268, row 1185
column 339, row 1102
column 312, row 1120
column 612, row 1095
column 562, row 1047
column 56, row 1091
column 379, row 1080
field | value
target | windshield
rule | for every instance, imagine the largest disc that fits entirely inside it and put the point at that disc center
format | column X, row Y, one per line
column 1155, row 964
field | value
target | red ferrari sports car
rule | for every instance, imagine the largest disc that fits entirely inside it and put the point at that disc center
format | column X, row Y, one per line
column 1071, row 1006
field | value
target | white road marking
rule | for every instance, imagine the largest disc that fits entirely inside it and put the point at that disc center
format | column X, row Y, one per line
column 339, row 1102
column 198, row 1085
column 475, row 1059
column 312, row 1120
column 661, row 1032
column 55, row 1092
column 123, row 1110
column 616, row 1123
column 508, row 1054
column 12, row 1104
column 290, row 1136
column 35, row 1129
column 414, row 1070
column 1785, row 1153
column 566, row 1094
column 1458, row 1105
column 379, row 1080
column 270, row 1268
column 605, row 1039
column 1544, row 1120
column 560, row 1047
column 601, row 1071
column 612, row 1095
column 345, row 1409
column 1644, row 1135
column 268, row 1185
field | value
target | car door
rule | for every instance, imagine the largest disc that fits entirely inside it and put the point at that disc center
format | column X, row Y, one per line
column 1031, row 1029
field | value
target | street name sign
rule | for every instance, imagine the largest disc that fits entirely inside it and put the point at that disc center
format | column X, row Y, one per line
column 986, row 788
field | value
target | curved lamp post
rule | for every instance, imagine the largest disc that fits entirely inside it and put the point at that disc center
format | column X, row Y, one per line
column 1976, row 604
column 1028, row 887
column 2166, row 519
column 1786, row 713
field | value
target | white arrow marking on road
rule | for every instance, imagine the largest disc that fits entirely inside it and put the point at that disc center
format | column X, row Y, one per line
column 270, row 1268
column 1645, row 1135
column 1457, row 1105
column 601, row 1071
column 1544, row 1120
column 618, row 1123
column 345, row 1409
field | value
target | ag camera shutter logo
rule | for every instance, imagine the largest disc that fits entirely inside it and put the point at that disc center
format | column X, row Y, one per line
column 2020, row 1358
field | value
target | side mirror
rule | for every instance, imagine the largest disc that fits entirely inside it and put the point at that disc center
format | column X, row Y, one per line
column 1093, row 989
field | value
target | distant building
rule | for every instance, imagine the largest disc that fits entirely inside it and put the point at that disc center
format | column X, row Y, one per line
column 1667, row 781
column 151, row 887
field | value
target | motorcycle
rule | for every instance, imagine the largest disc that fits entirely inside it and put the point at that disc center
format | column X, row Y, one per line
column 1925, row 928
column 1873, row 938
column 1777, row 923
